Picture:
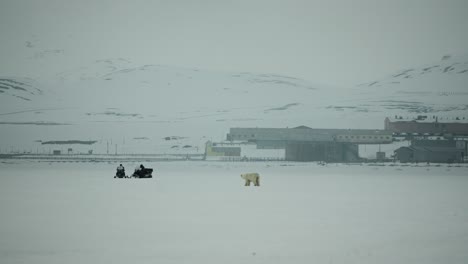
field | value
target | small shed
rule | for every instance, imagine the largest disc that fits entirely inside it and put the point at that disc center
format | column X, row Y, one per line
column 405, row 154
column 380, row 155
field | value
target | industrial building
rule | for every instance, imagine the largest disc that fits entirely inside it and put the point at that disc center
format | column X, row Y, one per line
column 213, row 150
column 321, row 151
column 430, row 125
column 307, row 144
column 439, row 151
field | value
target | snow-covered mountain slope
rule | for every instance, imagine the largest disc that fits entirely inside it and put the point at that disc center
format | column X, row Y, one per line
column 136, row 108
column 112, row 100
column 19, row 88
column 439, row 88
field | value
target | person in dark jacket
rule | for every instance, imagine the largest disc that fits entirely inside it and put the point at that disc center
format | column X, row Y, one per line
column 120, row 171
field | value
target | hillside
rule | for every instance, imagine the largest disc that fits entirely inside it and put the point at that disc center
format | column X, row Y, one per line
column 438, row 88
column 131, row 108
column 18, row 88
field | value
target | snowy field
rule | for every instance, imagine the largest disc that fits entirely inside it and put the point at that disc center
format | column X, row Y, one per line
column 200, row 212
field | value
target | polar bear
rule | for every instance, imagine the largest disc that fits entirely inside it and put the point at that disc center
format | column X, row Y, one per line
column 251, row 177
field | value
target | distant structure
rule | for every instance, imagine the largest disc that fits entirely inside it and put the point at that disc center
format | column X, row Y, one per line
column 430, row 125
column 438, row 151
column 380, row 156
column 216, row 150
column 307, row 144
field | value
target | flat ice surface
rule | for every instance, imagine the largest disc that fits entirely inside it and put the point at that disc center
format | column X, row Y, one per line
column 200, row 212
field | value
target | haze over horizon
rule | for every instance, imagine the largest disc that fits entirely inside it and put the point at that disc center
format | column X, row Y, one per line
column 339, row 43
column 102, row 70
column 212, row 95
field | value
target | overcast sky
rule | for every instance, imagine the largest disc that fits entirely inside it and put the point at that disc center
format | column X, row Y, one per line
column 337, row 42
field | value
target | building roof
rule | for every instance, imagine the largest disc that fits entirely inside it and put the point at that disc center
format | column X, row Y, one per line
column 430, row 149
column 431, row 119
column 317, row 131
column 304, row 134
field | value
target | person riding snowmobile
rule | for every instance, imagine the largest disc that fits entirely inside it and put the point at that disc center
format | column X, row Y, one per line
column 120, row 171
column 142, row 172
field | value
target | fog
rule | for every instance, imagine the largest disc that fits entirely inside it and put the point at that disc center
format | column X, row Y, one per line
column 86, row 85
column 339, row 43
column 111, row 70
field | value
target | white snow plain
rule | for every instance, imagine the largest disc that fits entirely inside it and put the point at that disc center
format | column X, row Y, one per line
column 200, row 212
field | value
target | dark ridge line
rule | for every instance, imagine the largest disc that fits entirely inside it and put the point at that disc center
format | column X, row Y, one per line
column 6, row 85
column 109, row 113
column 285, row 107
column 341, row 107
column 403, row 73
column 35, row 123
column 278, row 76
column 396, row 101
column 69, row 142
column 23, row 98
column 280, row 82
column 13, row 81
column 32, row 110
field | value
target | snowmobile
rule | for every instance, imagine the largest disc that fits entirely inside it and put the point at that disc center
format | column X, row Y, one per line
column 120, row 174
column 143, row 173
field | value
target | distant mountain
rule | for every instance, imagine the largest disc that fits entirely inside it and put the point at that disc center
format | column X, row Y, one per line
column 438, row 88
column 117, row 103
column 113, row 100
column 19, row 88
column 448, row 67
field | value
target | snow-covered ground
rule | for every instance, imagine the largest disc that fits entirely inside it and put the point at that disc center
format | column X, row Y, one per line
column 200, row 212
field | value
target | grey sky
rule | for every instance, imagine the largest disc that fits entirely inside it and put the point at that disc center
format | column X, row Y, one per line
column 327, row 41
